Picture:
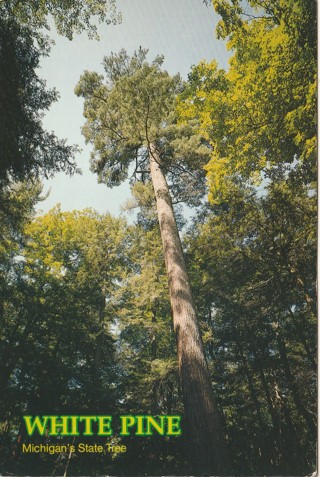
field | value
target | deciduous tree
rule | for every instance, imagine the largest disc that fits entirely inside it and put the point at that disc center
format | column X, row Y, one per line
column 259, row 115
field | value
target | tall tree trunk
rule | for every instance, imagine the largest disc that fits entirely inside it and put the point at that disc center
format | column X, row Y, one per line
column 13, row 355
column 294, row 388
column 202, row 422
column 154, row 349
column 98, row 353
column 252, row 390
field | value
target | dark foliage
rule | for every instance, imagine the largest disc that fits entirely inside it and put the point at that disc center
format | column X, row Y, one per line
column 26, row 148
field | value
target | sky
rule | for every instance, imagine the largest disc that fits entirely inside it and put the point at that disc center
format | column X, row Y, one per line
column 181, row 30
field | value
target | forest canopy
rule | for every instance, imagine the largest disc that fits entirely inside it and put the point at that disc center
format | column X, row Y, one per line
column 214, row 321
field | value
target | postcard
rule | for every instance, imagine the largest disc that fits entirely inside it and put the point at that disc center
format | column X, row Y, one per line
column 158, row 192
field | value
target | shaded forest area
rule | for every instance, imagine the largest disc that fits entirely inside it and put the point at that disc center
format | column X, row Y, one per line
column 89, row 324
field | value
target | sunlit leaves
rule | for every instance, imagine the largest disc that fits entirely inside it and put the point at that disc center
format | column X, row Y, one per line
column 260, row 118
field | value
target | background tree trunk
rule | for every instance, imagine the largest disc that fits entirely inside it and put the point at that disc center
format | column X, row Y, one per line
column 202, row 429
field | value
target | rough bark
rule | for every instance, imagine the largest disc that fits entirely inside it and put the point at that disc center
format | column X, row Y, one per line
column 202, row 428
